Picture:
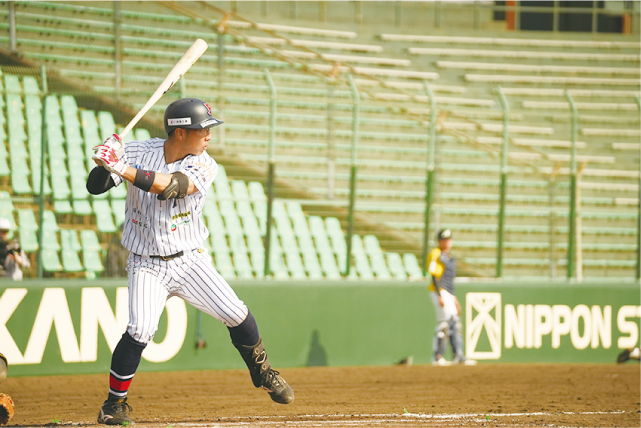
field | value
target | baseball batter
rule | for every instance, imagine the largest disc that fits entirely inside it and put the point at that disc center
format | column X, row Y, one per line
column 442, row 266
column 164, row 232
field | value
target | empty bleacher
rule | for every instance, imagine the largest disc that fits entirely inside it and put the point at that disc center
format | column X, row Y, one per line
column 314, row 131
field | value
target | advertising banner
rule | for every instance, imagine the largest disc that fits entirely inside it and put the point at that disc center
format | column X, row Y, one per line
column 71, row 326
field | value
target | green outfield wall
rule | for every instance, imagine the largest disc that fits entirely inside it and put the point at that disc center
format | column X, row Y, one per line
column 70, row 326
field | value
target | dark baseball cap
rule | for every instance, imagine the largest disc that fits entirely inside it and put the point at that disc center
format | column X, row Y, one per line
column 444, row 234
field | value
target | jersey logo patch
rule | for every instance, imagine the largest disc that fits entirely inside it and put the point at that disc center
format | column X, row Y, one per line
column 181, row 223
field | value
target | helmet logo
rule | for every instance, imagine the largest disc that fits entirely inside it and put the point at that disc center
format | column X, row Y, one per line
column 208, row 108
column 209, row 122
column 179, row 121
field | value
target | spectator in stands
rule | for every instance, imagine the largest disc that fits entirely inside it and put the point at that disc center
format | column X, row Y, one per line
column 116, row 260
column 12, row 257
column 442, row 267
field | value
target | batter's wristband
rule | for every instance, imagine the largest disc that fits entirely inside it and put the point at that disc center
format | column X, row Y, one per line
column 144, row 179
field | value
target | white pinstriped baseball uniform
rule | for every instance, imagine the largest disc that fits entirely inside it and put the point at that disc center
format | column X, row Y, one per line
column 163, row 228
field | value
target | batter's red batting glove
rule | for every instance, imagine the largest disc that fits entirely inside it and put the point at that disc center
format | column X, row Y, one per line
column 109, row 160
column 115, row 142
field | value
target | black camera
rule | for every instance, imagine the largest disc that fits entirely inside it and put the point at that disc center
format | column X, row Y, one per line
column 13, row 248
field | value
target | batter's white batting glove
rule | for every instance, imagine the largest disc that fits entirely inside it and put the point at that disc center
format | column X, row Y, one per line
column 115, row 143
column 109, row 160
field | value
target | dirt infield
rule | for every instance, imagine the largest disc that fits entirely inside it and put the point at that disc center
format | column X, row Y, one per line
column 398, row 396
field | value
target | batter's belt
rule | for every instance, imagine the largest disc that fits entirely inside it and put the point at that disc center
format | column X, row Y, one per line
column 171, row 256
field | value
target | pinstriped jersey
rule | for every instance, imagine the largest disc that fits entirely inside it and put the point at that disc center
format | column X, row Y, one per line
column 163, row 228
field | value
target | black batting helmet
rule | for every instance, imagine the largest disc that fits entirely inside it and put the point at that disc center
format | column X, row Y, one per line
column 189, row 113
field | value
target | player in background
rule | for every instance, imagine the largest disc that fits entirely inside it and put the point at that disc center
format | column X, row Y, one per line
column 629, row 354
column 6, row 403
column 442, row 267
column 164, row 233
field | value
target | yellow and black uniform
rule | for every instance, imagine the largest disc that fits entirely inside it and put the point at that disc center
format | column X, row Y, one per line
column 442, row 267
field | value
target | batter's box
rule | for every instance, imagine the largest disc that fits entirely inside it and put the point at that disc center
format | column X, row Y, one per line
column 483, row 326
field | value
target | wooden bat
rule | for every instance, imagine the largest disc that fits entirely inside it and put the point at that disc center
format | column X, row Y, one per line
column 194, row 52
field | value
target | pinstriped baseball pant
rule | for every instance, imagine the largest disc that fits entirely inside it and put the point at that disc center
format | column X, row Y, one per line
column 191, row 277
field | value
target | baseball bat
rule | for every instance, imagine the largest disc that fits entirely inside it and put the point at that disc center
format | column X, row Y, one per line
column 194, row 52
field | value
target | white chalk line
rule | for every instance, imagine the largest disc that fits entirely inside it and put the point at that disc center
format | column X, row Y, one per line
column 369, row 419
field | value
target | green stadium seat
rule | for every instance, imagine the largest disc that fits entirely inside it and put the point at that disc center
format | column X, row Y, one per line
column 50, row 240
column 92, row 262
column 69, row 240
column 60, row 187
column 51, row 261
column 237, row 243
column 214, row 219
column 12, row 84
column 376, row 257
column 79, row 187
column 224, row 265
column 127, row 138
column 411, row 265
column 219, row 242
column 52, row 108
column 310, row 260
column 82, row 207
column 77, row 167
column 242, row 265
column 89, row 240
column 28, row 240
column 221, row 184
column 241, row 196
column 49, row 220
column 58, row 167
column 258, row 263
column 256, row 191
column 6, row 205
column 360, row 258
column 27, row 220
column 395, row 264
column 5, row 171
column 294, row 263
column 33, row 107
column 119, row 192
column 71, row 261
column 30, row 85
column 20, row 182
column 104, row 218
column 336, row 236
column 142, row 134
column 118, row 207
column 107, row 124
column 250, row 226
column 328, row 263
column 63, row 207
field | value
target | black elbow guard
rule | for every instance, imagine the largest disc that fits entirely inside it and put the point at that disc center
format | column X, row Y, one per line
column 177, row 188
column 99, row 181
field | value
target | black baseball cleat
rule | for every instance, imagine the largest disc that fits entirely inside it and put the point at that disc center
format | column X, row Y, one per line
column 262, row 373
column 115, row 412
column 277, row 387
